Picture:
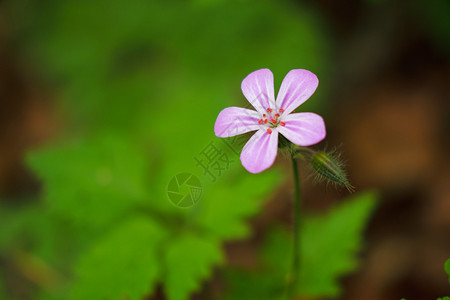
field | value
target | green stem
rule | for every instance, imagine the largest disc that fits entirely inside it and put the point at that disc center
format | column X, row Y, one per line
column 296, row 243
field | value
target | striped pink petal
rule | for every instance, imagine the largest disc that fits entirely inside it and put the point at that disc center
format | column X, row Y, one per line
column 296, row 88
column 303, row 129
column 260, row 151
column 257, row 87
column 236, row 120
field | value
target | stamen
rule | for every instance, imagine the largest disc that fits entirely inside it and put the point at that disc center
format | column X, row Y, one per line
column 265, row 121
column 269, row 110
column 264, row 115
column 282, row 123
column 277, row 115
column 260, row 121
column 273, row 120
column 281, row 110
column 269, row 131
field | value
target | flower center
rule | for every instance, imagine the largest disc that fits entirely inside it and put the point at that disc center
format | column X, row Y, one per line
column 272, row 119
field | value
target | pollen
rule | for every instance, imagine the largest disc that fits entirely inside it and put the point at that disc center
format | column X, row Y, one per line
column 269, row 131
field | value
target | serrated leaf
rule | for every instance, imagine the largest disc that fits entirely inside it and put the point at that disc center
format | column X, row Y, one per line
column 189, row 260
column 92, row 181
column 329, row 245
column 125, row 264
column 230, row 202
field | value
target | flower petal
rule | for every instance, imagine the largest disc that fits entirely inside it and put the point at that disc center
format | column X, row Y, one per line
column 257, row 87
column 296, row 88
column 232, row 121
column 303, row 129
column 260, row 151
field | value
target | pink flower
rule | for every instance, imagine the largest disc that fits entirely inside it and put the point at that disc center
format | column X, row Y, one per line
column 272, row 117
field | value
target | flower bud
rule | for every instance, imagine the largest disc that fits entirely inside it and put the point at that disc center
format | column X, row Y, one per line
column 329, row 167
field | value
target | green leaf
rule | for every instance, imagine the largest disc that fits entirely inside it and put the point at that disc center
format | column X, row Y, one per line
column 125, row 264
column 329, row 245
column 444, row 298
column 230, row 202
column 93, row 181
column 189, row 260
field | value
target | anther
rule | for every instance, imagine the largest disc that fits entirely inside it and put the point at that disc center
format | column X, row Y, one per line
column 269, row 131
column 277, row 115
column 269, row 110
column 282, row 123
column 260, row 121
column 265, row 121
column 281, row 110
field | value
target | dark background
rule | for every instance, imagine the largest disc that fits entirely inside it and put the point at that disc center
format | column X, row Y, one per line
column 384, row 92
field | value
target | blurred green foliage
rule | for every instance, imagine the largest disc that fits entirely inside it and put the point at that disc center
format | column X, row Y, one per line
column 123, row 264
column 116, row 224
column 83, row 178
column 188, row 262
column 447, row 269
column 140, row 84
column 436, row 22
